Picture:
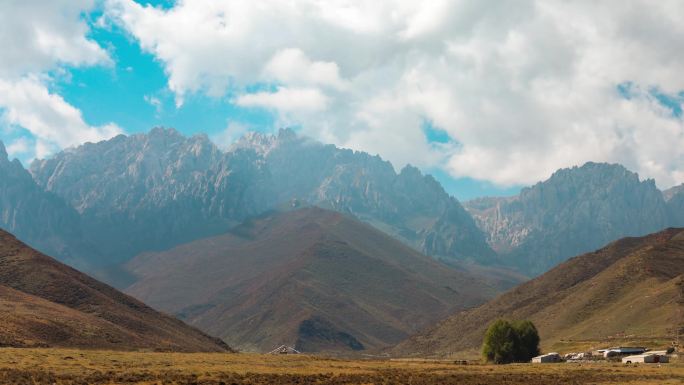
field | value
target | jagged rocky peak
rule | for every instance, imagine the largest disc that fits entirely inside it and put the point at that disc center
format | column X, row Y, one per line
column 263, row 143
column 576, row 210
column 595, row 172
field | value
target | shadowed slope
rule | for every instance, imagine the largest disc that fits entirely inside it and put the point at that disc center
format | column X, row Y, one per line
column 312, row 278
column 630, row 289
column 45, row 303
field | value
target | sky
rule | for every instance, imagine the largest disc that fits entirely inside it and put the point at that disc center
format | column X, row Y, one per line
column 487, row 96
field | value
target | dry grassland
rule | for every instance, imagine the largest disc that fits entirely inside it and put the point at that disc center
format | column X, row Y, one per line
column 63, row 366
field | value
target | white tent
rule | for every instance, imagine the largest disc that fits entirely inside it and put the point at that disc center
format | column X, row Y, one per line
column 283, row 349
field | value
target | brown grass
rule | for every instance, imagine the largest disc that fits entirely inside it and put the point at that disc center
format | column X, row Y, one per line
column 63, row 366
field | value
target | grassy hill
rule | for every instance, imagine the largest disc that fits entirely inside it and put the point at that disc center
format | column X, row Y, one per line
column 312, row 278
column 627, row 292
column 46, row 303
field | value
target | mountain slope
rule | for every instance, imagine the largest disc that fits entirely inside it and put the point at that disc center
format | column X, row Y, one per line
column 632, row 288
column 45, row 303
column 576, row 210
column 310, row 277
column 409, row 205
column 34, row 215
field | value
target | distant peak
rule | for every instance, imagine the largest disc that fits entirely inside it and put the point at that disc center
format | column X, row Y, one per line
column 286, row 133
column 673, row 191
column 263, row 143
column 164, row 131
column 3, row 152
column 611, row 170
column 411, row 170
column 603, row 166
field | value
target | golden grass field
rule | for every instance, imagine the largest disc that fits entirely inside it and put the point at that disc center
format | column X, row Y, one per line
column 66, row 366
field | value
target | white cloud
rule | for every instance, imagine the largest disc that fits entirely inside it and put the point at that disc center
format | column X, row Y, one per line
column 154, row 102
column 18, row 147
column 35, row 35
column 522, row 87
column 286, row 100
column 230, row 134
column 292, row 66
column 38, row 37
column 54, row 123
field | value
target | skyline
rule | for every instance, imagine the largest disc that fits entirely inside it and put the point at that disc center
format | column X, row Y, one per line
column 486, row 97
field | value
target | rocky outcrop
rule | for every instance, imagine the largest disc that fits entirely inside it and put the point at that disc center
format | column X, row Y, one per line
column 576, row 210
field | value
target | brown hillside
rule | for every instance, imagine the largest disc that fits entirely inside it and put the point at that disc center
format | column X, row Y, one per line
column 312, row 278
column 46, row 303
column 631, row 290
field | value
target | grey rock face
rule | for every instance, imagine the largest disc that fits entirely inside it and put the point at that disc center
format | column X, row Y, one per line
column 153, row 191
column 675, row 205
column 576, row 210
column 32, row 214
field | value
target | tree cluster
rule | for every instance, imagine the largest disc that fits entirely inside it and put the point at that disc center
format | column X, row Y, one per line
column 510, row 341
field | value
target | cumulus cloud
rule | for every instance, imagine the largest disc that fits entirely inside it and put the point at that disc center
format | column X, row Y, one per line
column 521, row 87
column 38, row 37
column 54, row 123
column 286, row 100
column 230, row 134
column 35, row 35
column 292, row 66
column 18, row 147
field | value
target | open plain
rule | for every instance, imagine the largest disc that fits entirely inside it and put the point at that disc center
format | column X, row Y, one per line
column 67, row 366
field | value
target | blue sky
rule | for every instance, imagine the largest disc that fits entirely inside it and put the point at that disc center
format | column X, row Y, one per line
column 485, row 96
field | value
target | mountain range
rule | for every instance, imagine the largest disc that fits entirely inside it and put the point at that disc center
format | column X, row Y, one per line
column 629, row 292
column 45, row 303
column 310, row 278
column 153, row 191
column 101, row 204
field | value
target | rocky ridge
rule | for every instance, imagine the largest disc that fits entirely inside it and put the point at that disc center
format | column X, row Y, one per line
column 576, row 210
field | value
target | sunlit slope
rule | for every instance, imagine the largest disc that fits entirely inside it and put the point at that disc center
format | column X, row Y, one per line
column 631, row 290
column 46, row 303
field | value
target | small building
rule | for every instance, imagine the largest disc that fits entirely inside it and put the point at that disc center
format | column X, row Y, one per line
column 622, row 351
column 283, row 349
column 547, row 358
column 648, row 358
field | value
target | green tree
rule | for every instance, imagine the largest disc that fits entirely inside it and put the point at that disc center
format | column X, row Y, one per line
column 506, row 342
column 499, row 342
column 528, row 340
